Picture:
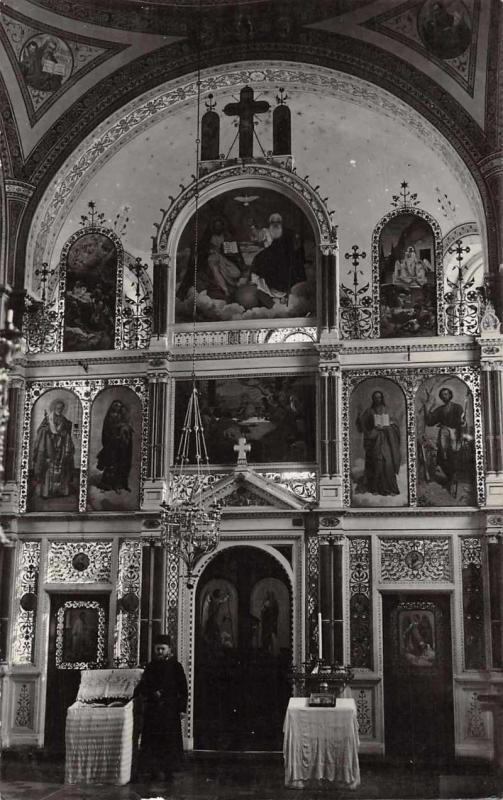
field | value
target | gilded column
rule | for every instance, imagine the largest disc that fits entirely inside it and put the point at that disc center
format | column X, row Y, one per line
column 330, row 494
column 329, row 293
column 158, row 434
column 161, row 294
column 491, row 362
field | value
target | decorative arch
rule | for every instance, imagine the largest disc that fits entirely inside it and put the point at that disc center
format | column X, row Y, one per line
column 438, row 265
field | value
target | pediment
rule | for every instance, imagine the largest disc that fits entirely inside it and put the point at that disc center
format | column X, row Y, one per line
column 246, row 489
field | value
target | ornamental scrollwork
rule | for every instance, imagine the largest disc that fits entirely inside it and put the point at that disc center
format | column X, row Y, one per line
column 415, row 559
column 360, row 602
column 23, row 634
column 65, row 566
column 128, row 603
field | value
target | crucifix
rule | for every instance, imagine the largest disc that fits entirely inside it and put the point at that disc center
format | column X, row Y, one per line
column 242, row 448
column 246, row 110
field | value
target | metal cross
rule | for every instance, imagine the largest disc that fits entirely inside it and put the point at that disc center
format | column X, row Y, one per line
column 246, row 110
column 45, row 273
column 242, row 448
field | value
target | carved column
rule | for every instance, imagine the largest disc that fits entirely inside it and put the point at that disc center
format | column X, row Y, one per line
column 329, row 298
column 18, row 195
column 331, row 590
column 312, row 583
column 161, row 292
column 491, row 358
column 12, row 446
column 158, row 431
column 330, row 430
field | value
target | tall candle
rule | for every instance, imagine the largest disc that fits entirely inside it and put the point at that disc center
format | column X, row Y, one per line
column 10, row 316
column 320, row 643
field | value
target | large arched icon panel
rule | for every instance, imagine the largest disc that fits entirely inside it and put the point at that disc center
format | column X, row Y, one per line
column 55, row 446
column 445, row 434
column 91, row 282
column 115, row 451
column 275, row 414
column 256, row 259
column 407, row 248
column 378, row 444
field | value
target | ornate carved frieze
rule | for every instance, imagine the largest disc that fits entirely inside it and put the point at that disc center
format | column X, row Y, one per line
column 300, row 484
column 364, row 699
column 360, row 603
column 128, row 603
column 312, row 589
column 79, row 562
column 415, row 559
column 473, row 602
column 24, row 707
column 23, row 630
column 244, row 337
column 474, row 723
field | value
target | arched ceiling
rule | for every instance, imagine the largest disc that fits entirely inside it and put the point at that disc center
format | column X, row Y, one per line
column 103, row 54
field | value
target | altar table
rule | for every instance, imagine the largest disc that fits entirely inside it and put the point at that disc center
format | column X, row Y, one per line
column 321, row 743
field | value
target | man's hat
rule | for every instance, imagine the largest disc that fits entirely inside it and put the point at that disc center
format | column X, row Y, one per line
column 162, row 639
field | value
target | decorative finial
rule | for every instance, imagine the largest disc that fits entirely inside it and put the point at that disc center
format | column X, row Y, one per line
column 405, row 199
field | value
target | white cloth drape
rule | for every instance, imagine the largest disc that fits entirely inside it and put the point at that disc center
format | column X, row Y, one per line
column 99, row 744
column 321, row 743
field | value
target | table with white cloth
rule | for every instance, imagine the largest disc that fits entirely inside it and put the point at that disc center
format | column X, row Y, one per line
column 99, row 738
column 321, row 743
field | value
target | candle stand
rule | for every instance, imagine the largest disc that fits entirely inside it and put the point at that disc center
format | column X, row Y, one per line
column 321, row 681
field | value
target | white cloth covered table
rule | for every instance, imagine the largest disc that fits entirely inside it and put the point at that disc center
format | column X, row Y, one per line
column 321, row 743
column 99, row 739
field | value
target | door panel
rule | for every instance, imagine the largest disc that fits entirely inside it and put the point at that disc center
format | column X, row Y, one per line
column 418, row 701
column 243, row 652
column 77, row 640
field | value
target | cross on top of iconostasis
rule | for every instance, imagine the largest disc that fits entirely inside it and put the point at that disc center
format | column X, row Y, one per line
column 246, row 110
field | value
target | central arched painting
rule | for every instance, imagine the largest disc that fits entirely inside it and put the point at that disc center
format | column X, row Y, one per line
column 255, row 259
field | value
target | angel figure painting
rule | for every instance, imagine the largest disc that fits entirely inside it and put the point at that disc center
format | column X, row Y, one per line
column 54, row 474
column 114, row 451
column 219, row 616
column 378, row 444
column 256, row 260
column 407, row 277
column 445, row 443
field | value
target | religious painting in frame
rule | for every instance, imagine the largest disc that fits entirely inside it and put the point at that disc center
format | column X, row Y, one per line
column 54, row 455
column 378, row 444
column 276, row 416
column 91, row 289
column 270, row 614
column 256, row 259
column 114, row 466
column 407, row 288
column 445, row 433
column 218, row 615
column 80, row 635
column 445, row 27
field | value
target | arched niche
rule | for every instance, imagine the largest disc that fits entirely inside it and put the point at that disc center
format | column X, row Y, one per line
column 53, row 479
column 90, row 290
column 445, row 442
column 377, row 422
column 407, row 275
column 260, row 233
column 114, row 462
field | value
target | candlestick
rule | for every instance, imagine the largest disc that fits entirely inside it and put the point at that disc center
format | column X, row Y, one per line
column 320, row 643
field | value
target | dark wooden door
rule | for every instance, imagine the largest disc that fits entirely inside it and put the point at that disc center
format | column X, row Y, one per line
column 78, row 628
column 243, row 652
column 418, row 701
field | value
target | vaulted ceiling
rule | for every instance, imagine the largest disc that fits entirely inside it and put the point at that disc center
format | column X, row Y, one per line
column 67, row 65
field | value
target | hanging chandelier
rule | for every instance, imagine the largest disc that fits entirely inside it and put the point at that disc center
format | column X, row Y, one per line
column 189, row 528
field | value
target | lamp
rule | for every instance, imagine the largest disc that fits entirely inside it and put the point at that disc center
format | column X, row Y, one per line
column 189, row 529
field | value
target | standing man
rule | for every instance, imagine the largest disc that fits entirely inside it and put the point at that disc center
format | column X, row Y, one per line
column 163, row 688
column 450, row 417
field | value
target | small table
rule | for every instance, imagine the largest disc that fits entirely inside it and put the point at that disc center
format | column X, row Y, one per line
column 321, row 743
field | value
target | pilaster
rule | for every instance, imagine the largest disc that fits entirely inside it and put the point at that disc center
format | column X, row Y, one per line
column 330, row 489
column 491, row 361
column 329, row 299
column 154, row 491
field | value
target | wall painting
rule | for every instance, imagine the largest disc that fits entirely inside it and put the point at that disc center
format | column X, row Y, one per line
column 408, row 301
column 256, row 259
column 445, row 443
column 276, row 415
column 115, row 451
column 91, row 264
column 55, row 442
column 378, row 444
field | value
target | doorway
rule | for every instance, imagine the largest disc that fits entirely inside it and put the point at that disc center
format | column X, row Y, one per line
column 78, row 631
column 418, row 692
column 243, row 650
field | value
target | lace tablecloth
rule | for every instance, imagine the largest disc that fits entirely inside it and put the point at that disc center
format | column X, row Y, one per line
column 99, row 744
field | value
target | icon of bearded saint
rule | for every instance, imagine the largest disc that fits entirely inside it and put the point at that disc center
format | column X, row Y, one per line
column 411, row 270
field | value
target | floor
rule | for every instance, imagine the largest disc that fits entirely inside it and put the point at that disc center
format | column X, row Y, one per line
column 252, row 777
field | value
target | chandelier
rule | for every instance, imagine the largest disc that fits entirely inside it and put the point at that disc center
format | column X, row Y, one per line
column 189, row 528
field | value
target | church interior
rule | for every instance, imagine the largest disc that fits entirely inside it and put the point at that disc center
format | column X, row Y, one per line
column 251, row 258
